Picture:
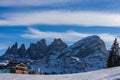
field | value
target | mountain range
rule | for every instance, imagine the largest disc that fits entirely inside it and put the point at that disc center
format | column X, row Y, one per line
column 87, row 54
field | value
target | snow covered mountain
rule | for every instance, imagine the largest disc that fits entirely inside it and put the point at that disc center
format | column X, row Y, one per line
column 85, row 55
column 104, row 74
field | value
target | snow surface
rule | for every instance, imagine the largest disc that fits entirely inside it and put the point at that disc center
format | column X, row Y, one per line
column 104, row 74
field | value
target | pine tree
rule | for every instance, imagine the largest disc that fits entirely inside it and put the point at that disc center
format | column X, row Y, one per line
column 114, row 55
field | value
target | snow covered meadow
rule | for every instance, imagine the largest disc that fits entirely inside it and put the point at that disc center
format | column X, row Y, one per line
column 104, row 74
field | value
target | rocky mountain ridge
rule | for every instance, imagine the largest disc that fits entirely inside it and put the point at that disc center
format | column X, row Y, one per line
column 58, row 57
column 35, row 50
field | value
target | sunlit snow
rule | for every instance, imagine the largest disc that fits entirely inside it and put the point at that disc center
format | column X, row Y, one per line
column 104, row 74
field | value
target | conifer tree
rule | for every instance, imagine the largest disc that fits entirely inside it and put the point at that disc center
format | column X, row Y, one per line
column 114, row 55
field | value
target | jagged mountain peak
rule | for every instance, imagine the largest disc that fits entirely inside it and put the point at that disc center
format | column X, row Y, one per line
column 57, row 41
column 57, row 45
column 22, row 51
column 15, row 46
column 31, row 45
column 23, row 46
column 41, row 43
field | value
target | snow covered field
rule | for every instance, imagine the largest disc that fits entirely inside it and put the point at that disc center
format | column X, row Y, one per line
column 105, row 74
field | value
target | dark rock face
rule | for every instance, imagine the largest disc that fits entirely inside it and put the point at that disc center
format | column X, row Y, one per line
column 22, row 51
column 13, row 49
column 56, row 46
column 54, row 50
column 38, row 50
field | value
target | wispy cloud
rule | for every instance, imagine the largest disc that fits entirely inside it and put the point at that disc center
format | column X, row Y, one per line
column 62, row 17
column 68, row 36
column 31, row 2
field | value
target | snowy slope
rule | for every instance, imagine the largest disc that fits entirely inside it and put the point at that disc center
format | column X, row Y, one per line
column 105, row 74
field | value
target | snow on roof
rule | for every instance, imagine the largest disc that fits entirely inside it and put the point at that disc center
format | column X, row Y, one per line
column 3, row 63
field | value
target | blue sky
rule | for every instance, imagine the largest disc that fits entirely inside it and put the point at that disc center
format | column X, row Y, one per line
column 26, row 21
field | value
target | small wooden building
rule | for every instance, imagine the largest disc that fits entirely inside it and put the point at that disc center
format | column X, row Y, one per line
column 18, row 68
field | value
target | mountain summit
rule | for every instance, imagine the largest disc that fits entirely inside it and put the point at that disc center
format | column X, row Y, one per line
column 85, row 55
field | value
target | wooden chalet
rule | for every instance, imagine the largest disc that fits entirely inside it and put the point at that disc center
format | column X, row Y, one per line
column 18, row 68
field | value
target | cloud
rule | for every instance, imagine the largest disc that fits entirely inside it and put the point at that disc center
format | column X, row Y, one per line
column 68, row 36
column 31, row 2
column 84, row 18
